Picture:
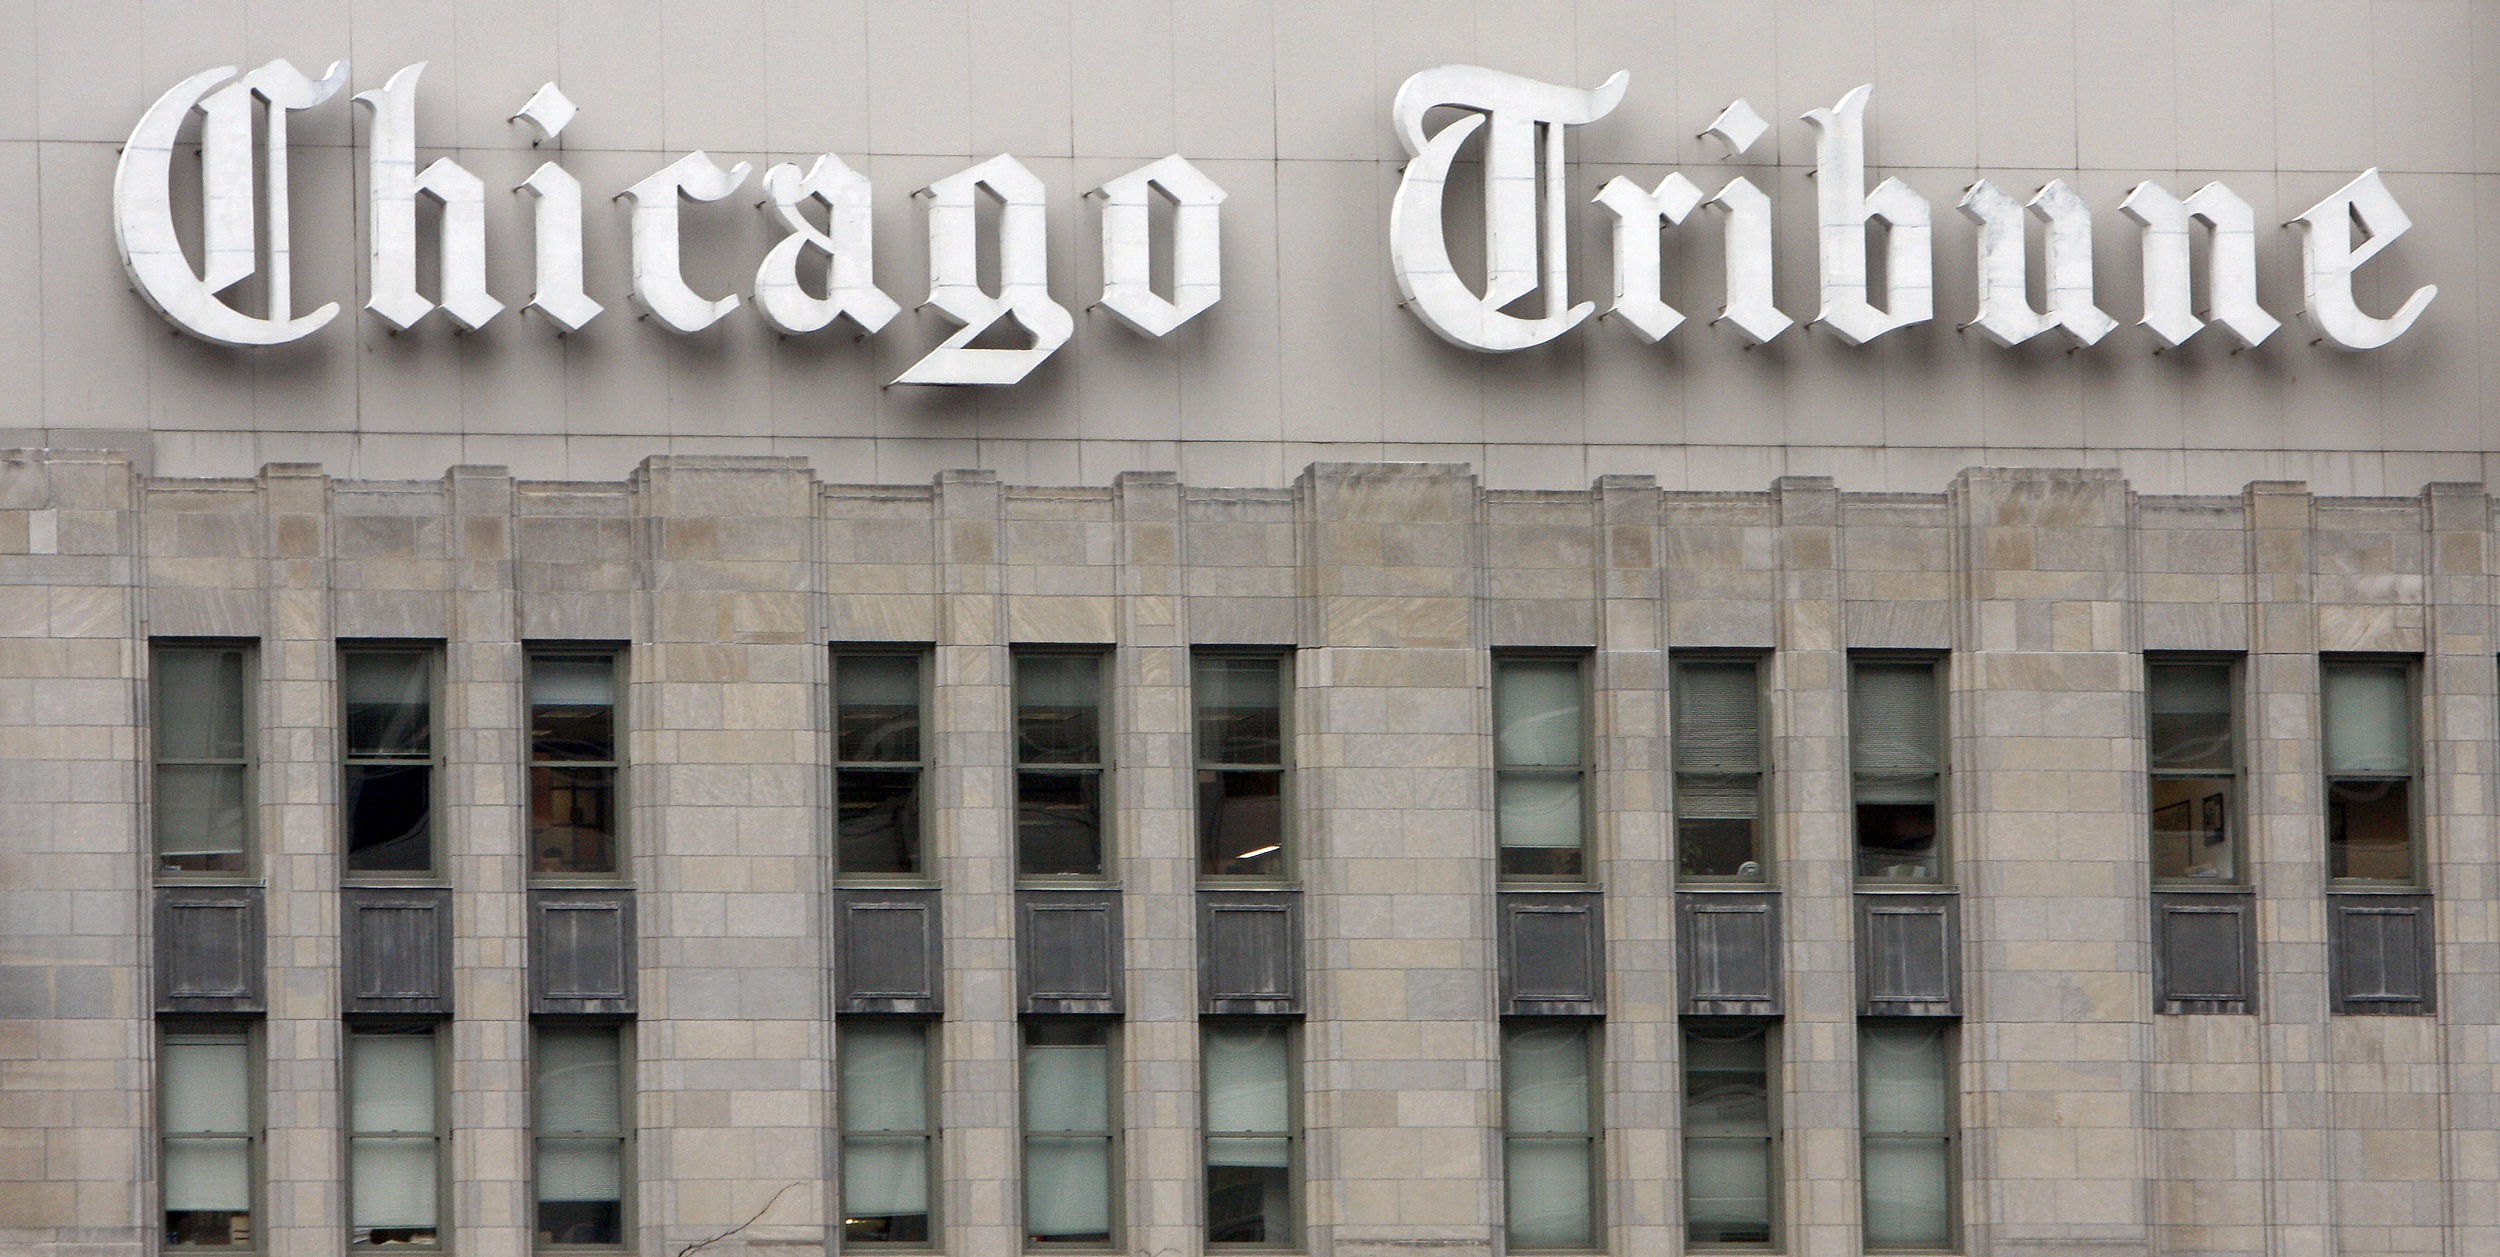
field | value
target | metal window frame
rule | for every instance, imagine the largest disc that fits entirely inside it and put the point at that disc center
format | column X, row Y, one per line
column 1765, row 815
column 1592, row 1039
column 1296, row 1164
column 625, row 1061
column 615, row 653
column 1114, row 1117
column 1773, row 1080
column 1583, row 662
column 1105, row 744
column 432, row 1029
column 436, row 677
column 2242, row 875
column 929, row 1134
column 923, row 658
column 249, row 711
column 2417, row 849
column 1938, row 664
column 1288, row 799
column 255, row 1117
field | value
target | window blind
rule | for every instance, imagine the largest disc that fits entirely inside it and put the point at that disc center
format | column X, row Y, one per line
column 1718, row 718
column 206, row 1085
column 885, row 1177
column 1538, row 711
column 387, row 703
column 1066, row 1087
column 1249, row 1092
column 1893, row 719
column 1067, row 1187
column 393, row 1183
column 885, row 1077
column 199, row 704
column 1548, row 1193
column 1908, row 1120
column 2369, row 723
column 1545, row 1081
column 391, row 1093
column 558, row 682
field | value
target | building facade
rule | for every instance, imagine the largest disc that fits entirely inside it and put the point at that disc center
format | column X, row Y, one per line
column 1268, row 778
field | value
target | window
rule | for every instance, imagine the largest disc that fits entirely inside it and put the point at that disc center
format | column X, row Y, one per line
column 2195, row 771
column 573, row 763
column 389, row 788
column 1068, row 1133
column 1729, row 1167
column 1250, row 1133
column 1905, row 1076
column 877, row 763
column 1896, row 763
column 1718, row 770
column 578, row 1099
column 1241, row 764
column 1059, row 764
column 886, row 1132
column 1540, row 756
column 203, row 745
column 208, row 1112
column 2368, row 713
column 394, row 1143
column 1549, row 1135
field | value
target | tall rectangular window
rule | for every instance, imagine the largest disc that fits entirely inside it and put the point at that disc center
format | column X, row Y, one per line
column 1905, row 1078
column 578, row 1102
column 389, row 786
column 2194, row 757
column 1896, row 769
column 1059, row 764
column 1249, row 1132
column 2368, row 712
column 1068, row 1133
column 1729, row 1168
column 1540, row 757
column 877, row 763
column 395, row 1135
column 1718, row 770
column 208, row 1105
column 1240, row 701
column 574, row 766
column 886, row 1131
column 203, row 747
column 1549, row 1135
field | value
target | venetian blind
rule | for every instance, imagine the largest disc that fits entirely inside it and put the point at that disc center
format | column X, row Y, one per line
column 1718, row 718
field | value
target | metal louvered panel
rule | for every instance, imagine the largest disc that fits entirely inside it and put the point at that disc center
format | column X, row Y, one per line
column 2204, row 952
column 1728, row 948
column 1553, row 954
column 886, row 953
column 396, row 950
column 2383, row 963
column 210, row 950
column 1250, row 952
column 1068, row 955
column 1909, row 954
column 582, row 952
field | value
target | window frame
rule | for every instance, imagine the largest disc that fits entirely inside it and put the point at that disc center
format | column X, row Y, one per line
column 435, row 873
column 2416, row 806
column 249, row 711
column 1774, row 1143
column 924, row 667
column 1592, row 1042
column 930, row 1134
column 439, row 1042
column 1115, row 1140
column 619, row 727
column 1296, row 1162
column 624, row 1034
column 1765, row 815
column 1585, row 772
column 1955, row 1131
column 255, row 1116
column 1101, row 767
column 1937, row 664
column 2235, row 795
column 1289, row 867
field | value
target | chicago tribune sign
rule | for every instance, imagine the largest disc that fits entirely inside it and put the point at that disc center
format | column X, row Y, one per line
column 244, row 233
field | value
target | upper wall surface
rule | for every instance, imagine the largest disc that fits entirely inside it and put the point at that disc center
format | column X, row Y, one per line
column 1309, row 356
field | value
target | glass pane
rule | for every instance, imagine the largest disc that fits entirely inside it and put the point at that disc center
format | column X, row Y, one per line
column 209, row 1228
column 2189, row 706
column 885, row 1178
column 1898, row 841
column 1718, row 717
column 200, row 817
column 885, row 1078
column 1067, row 1087
column 580, row 1087
column 1058, row 709
column 1058, row 823
column 573, row 708
column 1907, row 1191
column 1537, row 810
column 1545, row 1080
column 1708, row 847
column 208, row 1174
column 573, row 820
column 389, row 703
column 878, row 818
column 1902, row 1069
column 1893, row 718
column 1271, row 1151
column 1536, row 713
column 581, row 1170
column 2369, row 721
column 1543, row 862
column 2369, row 826
column 207, row 1086
column 1250, row 1203
column 2192, row 829
column 1241, row 823
column 1727, row 1191
column 581, row 1222
column 1726, row 1082
column 390, row 1083
column 391, row 1196
column 1548, row 1196
column 1067, row 1190
column 1240, row 710
column 199, row 704
column 877, row 708
column 1247, row 1087
column 390, row 825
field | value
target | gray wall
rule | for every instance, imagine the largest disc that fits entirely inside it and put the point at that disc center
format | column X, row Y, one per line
column 1309, row 356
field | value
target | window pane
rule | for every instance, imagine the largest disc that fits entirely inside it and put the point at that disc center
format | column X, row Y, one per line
column 1249, row 1192
column 1058, row 709
column 1718, row 717
column 878, row 816
column 1537, row 713
column 1726, row 1082
column 2369, row 825
column 1247, row 1084
column 1058, row 822
column 390, row 1083
column 580, row 1088
column 2189, row 706
column 1907, row 1193
column 390, row 818
column 2192, row 829
column 1902, row 1069
column 885, row 1079
column 1241, row 823
column 1240, row 710
column 573, row 708
column 2369, row 723
column 199, row 704
column 1707, row 847
column 1898, row 840
column 877, row 708
column 1548, row 1193
column 1893, row 718
column 1537, row 810
column 1727, row 1191
column 200, row 817
column 581, row 1170
column 207, row 1085
column 581, row 1222
column 1067, row 1190
column 1907, row 1107
column 392, row 1190
column 208, row 1174
column 1067, row 1087
column 389, row 703
column 885, row 1179
column 1545, row 1080
column 573, row 820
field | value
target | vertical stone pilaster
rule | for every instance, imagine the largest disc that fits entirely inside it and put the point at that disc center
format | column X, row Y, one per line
column 1815, row 859
column 973, row 745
